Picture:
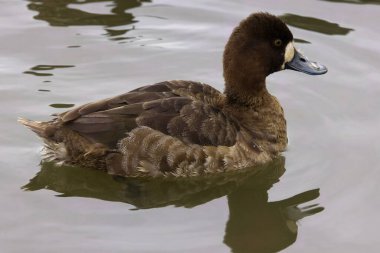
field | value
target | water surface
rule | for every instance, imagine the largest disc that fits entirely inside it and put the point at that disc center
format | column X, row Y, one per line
column 58, row 54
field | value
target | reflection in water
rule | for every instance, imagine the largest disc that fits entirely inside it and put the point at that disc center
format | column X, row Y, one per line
column 50, row 67
column 34, row 70
column 254, row 225
column 64, row 13
column 315, row 24
column 59, row 13
column 355, row 1
column 61, row 105
column 301, row 41
column 37, row 73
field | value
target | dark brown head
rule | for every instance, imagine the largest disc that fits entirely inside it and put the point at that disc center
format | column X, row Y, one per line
column 260, row 45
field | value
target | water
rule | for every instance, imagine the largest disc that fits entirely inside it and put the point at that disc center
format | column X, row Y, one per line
column 57, row 54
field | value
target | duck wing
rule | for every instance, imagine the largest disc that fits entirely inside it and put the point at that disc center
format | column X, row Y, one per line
column 189, row 111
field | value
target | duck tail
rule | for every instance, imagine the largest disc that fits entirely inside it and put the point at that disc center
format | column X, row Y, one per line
column 36, row 126
column 53, row 150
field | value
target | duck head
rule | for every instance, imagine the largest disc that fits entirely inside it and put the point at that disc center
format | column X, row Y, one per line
column 260, row 45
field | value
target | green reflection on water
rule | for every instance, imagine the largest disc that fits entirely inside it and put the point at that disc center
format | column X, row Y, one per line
column 59, row 13
column 355, row 1
column 61, row 105
column 301, row 41
column 64, row 13
column 315, row 24
column 50, row 67
column 34, row 70
column 254, row 224
column 37, row 73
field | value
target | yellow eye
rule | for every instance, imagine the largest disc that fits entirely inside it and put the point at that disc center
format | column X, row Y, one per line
column 278, row 42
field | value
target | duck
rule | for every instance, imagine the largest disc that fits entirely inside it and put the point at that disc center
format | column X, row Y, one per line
column 187, row 128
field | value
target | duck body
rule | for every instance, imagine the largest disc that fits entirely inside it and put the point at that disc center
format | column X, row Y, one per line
column 185, row 128
column 176, row 127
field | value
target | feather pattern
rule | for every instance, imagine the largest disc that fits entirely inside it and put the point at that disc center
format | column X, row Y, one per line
column 173, row 128
column 184, row 128
column 190, row 111
column 146, row 151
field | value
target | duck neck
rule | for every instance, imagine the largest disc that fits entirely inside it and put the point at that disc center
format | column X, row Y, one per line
column 259, row 114
column 238, row 95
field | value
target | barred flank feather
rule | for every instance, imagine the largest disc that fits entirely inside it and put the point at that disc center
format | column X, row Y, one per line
column 148, row 152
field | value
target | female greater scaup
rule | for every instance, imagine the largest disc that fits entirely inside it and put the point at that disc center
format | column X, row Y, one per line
column 186, row 128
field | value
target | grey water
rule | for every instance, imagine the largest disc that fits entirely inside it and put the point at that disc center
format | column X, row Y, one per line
column 321, row 196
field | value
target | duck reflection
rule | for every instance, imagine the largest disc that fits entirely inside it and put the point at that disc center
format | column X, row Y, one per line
column 315, row 24
column 254, row 225
column 65, row 13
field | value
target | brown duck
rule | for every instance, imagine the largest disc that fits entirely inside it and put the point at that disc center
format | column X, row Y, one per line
column 186, row 128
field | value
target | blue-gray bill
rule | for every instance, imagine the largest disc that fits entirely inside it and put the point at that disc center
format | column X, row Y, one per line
column 302, row 64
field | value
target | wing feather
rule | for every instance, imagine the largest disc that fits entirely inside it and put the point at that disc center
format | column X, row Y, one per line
column 190, row 111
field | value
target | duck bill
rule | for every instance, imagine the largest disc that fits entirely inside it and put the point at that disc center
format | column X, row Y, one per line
column 303, row 64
